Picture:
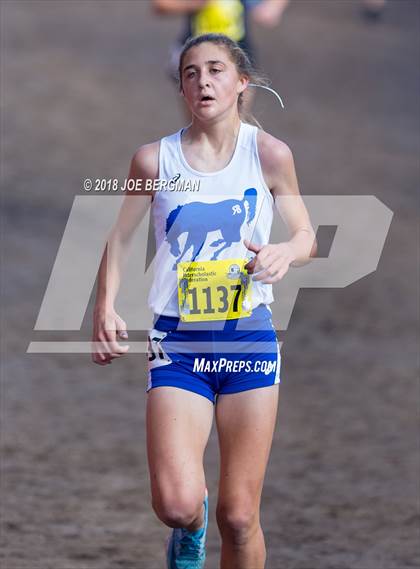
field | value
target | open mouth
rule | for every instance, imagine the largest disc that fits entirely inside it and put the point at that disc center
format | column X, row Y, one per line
column 207, row 98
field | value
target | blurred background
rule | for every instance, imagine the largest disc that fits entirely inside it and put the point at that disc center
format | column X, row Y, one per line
column 83, row 84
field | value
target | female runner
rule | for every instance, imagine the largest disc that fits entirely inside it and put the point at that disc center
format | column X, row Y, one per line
column 213, row 348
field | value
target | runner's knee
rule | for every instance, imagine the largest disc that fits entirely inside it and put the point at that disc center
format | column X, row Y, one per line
column 177, row 511
column 237, row 523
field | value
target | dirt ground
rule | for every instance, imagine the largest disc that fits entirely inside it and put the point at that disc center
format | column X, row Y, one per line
column 83, row 85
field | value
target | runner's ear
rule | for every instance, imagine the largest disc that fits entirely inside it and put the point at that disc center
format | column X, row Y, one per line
column 243, row 83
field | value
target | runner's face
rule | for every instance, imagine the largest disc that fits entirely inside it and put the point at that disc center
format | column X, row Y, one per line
column 210, row 81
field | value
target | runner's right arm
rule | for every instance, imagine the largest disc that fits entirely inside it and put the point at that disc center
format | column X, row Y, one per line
column 178, row 6
column 107, row 323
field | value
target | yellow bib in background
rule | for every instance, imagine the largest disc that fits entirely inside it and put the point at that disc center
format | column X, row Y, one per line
column 220, row 17
column 214, row 290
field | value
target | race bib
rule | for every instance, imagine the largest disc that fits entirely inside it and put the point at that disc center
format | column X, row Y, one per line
column 213, row 290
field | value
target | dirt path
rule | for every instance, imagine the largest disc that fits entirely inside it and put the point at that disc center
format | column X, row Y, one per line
column 82, row 84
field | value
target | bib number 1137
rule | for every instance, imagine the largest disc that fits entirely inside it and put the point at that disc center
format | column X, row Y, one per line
column 222, row 302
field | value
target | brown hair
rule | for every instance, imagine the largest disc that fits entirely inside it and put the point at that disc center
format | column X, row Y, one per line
column 239, row 58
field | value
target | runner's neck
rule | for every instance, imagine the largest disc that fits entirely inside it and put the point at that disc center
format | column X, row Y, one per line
column 214, row 145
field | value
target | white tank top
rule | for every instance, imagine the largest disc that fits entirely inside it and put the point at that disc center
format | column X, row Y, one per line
column 204, row 216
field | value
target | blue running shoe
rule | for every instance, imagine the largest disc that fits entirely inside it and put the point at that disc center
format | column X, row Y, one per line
column 186, row 549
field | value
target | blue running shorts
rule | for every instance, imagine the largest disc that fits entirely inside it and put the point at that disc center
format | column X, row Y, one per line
column 214, row 357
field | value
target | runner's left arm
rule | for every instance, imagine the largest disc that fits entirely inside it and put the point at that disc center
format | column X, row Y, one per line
column 272, row 261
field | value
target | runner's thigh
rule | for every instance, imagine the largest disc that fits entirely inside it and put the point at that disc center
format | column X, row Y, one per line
column 245, row 425
column 178, row 427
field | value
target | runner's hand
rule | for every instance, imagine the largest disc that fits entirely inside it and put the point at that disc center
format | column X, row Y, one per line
column 270, row 263
column 107, row 326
